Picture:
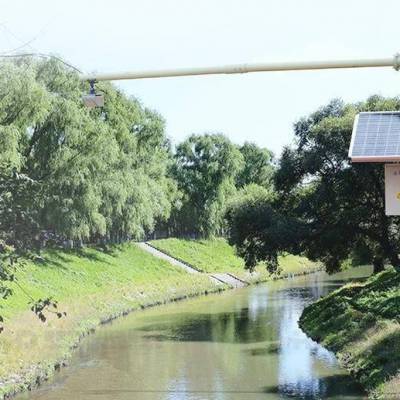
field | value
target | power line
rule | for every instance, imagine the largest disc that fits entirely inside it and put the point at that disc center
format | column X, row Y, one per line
column 41, row 55
column 35, row 52
column 24, row 44
column 19, row 47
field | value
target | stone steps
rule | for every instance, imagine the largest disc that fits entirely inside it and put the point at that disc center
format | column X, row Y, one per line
column 217, row 278
column 229, row 279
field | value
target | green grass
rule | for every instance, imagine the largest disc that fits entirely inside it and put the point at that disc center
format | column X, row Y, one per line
column 361, row 323
column 213, row 255
column 216, row 255
column 91, row 286
column 70, row 274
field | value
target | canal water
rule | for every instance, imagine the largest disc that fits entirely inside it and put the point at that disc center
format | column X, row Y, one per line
column 241, row 344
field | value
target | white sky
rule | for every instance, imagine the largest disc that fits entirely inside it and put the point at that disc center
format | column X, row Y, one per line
column 120, row 35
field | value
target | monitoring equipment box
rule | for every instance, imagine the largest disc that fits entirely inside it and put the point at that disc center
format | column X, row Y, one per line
column 392, row 189
column 376, row 138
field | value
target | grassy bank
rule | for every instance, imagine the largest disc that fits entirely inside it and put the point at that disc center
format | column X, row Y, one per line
column 361, row 324
column 91, row 286
column 217, row 256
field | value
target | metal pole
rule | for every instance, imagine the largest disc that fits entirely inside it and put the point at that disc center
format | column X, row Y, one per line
column 245, row 68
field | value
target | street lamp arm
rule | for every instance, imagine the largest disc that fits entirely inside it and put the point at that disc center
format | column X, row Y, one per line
column 393, row 62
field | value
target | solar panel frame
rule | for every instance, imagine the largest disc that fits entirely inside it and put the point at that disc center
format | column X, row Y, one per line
column 376, row 140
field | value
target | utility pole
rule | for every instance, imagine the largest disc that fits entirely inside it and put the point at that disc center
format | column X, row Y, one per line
column 393, row 62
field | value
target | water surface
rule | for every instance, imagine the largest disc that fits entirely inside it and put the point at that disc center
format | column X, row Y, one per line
column 242, row 344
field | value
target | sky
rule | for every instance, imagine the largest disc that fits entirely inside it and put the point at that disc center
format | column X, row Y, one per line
column 121, row 35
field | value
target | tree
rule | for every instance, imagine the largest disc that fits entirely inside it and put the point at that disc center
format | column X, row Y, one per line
column 255, row 227
column 205, row 170
column 73, row 173
column 94, row 173
column 327, row 205
column 257, row 167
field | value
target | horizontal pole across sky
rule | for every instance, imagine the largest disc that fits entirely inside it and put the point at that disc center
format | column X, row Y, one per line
column 393, row 62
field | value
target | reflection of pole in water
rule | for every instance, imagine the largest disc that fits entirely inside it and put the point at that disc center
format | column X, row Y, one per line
column 257, row 303
column 317, row 285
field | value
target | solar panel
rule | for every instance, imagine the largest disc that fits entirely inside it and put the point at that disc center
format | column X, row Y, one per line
column 376, row 137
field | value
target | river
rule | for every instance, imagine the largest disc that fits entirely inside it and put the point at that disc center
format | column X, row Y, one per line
column 241, row 344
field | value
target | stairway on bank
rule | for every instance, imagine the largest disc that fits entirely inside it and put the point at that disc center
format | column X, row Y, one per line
column 217, row 278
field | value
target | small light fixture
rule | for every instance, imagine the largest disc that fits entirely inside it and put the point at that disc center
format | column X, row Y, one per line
column 92, row 99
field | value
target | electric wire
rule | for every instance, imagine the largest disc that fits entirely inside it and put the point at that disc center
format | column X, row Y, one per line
column 6, row 29
column 41, row 55
column 34, row 52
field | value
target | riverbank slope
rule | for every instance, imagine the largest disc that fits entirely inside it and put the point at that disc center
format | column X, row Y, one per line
column 360, row 322
column 92, row 286
column 216, row 255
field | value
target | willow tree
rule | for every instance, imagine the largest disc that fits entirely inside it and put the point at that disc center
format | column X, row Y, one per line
column 96, row 173
column 206, row 168
column 71, row 172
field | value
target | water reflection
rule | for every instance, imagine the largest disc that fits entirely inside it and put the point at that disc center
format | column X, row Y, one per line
column 331, row 387
column 299, row 356
column 244, row 344
column 240, row 326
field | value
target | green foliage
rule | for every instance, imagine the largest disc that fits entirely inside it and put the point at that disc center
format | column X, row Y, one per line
column 18, row 215
column 69, row 173
column 101, row 175
column 258, row 167
column 242, row 213
column 209, row 169
column 6, row 275
column 86, row 173
column 253, row 194
column 205, row 170
column 344, row 203
column 325, row 207
column 256, row 227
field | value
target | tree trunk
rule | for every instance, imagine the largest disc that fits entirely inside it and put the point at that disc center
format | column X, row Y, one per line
column 395, row 261
column 389, row 248
column 378, row 264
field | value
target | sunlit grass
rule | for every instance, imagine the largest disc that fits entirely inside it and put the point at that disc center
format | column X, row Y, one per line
column 70, row 274
column 216, row 255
